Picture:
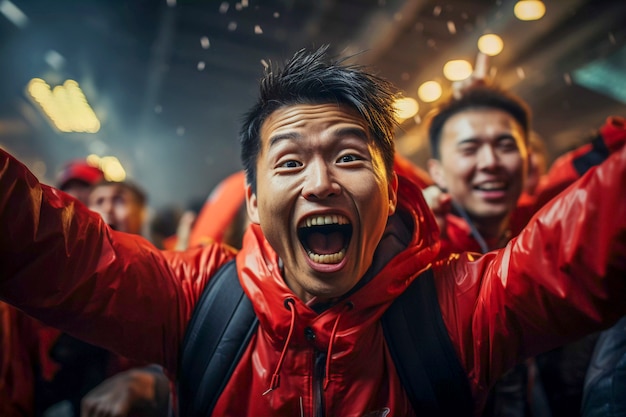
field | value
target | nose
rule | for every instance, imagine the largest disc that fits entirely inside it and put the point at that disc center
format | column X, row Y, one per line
column 487, row 157
column 319, row 182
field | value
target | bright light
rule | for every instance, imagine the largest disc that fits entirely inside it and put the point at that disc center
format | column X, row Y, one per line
column 65, row 106
column 529, row 9
column 490, row 44
column 457, row 70
column 93, row 160
column 406, row 107
column 429, row 91
column 112, row 168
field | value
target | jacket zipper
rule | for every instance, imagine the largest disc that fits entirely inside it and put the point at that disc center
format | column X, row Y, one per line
column 319, row 367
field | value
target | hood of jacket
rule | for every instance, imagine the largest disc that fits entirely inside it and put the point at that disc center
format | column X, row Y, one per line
column 409, row 244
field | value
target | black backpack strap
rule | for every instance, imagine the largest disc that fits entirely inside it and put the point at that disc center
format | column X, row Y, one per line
column 426, row 362
column 220, row 329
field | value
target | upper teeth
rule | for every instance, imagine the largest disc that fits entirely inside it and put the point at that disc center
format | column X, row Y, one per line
column 322, row 220
column 492, row 185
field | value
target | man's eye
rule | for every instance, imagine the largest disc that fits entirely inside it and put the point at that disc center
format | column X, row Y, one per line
column 348, row 158
column 291, row 164
column 508, row 144
column 467, row 150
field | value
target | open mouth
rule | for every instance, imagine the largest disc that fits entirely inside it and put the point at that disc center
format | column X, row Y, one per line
column 325, row 237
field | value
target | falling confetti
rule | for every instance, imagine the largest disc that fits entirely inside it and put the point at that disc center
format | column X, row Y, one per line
column 171, row 3
column 201, row 65
column 567, row 78
column 180, row 131
column 520, row 73
column 158, row 109
column 204, row 42
column 232, row 26
column 612, row 38
column 238, row 7
column 437, row 11
column 431, row 43
column 224, row 7
column 258, row 30
column 276, row 15
column 451, row 27
column 244, row 3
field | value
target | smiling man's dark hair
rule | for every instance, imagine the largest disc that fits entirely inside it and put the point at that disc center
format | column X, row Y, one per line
column 317, row 78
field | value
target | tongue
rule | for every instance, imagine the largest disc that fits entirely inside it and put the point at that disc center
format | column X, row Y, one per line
column 325, row 243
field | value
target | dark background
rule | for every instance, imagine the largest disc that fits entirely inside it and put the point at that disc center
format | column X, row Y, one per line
column 174, row 124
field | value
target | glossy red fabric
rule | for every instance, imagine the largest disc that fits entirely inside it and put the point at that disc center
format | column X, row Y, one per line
column 561, row 278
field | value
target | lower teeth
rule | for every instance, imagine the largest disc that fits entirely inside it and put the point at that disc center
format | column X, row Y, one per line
column 332, row 258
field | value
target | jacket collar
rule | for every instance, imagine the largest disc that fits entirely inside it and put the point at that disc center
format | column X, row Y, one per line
column 409, row 245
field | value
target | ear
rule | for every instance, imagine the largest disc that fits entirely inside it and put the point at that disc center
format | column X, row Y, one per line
column 252, row 205
column 436, row 173
column 393, row 193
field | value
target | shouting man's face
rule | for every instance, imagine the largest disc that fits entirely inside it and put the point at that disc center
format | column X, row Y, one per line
column 322, row 196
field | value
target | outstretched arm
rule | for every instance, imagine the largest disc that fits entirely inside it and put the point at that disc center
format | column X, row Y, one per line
column 60, row 263
column 560, row 279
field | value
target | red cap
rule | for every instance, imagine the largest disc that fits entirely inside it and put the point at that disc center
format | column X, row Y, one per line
column 79, row 170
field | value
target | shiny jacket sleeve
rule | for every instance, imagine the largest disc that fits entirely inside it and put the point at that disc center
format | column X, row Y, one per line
column 61, row 264
column 564, row 276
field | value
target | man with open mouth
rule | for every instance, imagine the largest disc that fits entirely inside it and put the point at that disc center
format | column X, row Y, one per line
column 336, row 238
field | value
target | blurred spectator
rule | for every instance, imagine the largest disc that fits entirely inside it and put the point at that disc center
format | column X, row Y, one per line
column 122, row 205
column 76, row 178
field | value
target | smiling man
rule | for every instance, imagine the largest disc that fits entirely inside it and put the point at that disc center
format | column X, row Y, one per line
column 479, row 146
column 336, row 238
column 479, row 143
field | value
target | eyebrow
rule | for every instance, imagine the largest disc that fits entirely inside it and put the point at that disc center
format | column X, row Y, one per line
column 284, row 136
column 346, row 131
column 352, row 131
column 478, row 139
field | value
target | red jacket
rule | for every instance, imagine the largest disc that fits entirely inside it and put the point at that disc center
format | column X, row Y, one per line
column 558, row 280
